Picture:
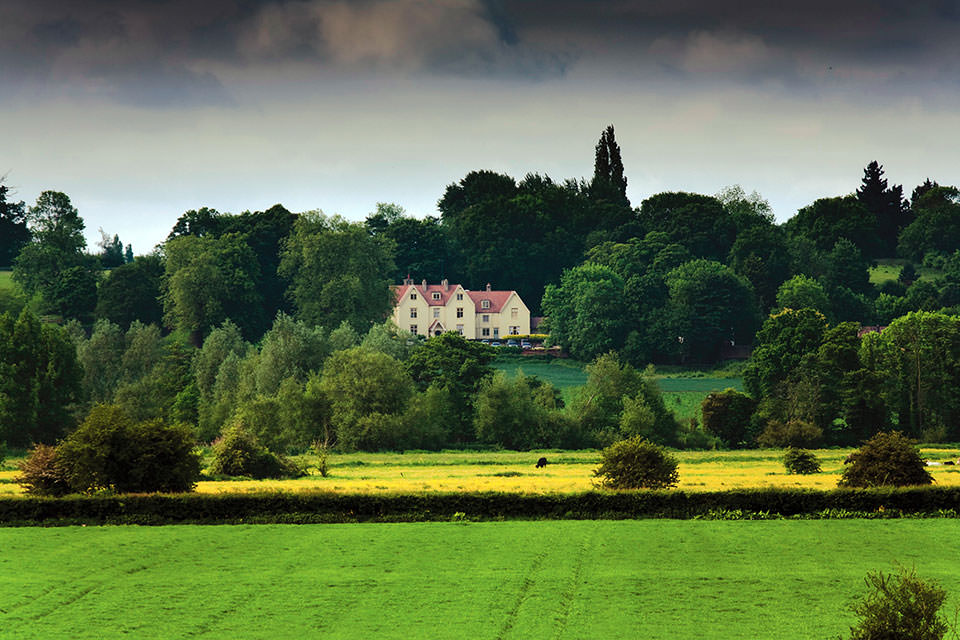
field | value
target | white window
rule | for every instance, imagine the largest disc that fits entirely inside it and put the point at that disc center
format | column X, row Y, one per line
column 460, row 329
column 413, row 296
column 413, row 312
column 436, row 295
column 513, row 312
column 459, row 296
column 484, row 304
column 459, row 312
column 485, row 331
column 436, row 313
column 485, row 318
column 413, row 329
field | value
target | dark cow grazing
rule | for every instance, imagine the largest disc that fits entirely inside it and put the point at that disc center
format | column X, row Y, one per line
column 542, row 462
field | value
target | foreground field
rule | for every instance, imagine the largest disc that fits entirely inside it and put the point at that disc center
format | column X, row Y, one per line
column 568, row 471
column 591, row 579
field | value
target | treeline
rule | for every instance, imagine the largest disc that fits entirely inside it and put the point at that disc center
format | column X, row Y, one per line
column 304, row 386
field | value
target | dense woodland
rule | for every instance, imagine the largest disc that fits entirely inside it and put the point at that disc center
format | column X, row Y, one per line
column 274, row 322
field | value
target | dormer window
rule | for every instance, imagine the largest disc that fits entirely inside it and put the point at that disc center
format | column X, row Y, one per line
column 484, row 304
column 436, row 295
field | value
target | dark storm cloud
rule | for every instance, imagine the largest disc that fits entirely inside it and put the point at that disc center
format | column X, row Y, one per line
column 168, row 52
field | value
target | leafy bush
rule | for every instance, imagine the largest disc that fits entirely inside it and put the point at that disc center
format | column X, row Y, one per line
column 726, row 415
column 636, row 463
column 42, row 473
column 792, row 433
column 111, row 451
column 3, row 453
column 238, row 452
column 886, row 459
column 900, row 605
column 800, row 461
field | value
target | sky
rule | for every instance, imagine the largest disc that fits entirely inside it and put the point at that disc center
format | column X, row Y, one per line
column 142, row 109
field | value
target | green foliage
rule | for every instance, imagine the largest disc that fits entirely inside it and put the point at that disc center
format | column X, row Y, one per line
column 42, row 473
column 937, row 224
column 900, row 605
column 421, row 244
column 208, row 280
column 700, row 224
column 790, row 433
column 14, row 233
column 636, row 463
column 781, row 343
column 800, row 461
column 40, row 380
column 132, row 292
column 886, row 459
column 587, row 311
column 337, row 272
column 367, row 392
column 829, row 219
column 238, row 452
column 101, row 359
column 459, row 367
column 608, row 182
column 516, row 413
column 726, row 415
column 710, row 305
column 109, row 450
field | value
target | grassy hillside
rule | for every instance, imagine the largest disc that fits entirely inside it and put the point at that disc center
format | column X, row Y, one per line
column 889, row 269
column 6, row 281
column 569, row 579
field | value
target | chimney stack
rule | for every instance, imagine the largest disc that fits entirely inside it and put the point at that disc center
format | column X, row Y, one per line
column 488, row 286
column 446, row 284
column 424, row 284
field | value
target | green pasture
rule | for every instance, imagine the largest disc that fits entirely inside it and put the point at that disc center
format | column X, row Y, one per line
column 568, row 579
column 6, row 279
column 683, row 389
column 889, row 269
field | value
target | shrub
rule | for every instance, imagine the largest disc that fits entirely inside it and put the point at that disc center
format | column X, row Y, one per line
column 726, row 415
column 900, row 605
column 111, row 451
column 793, row 433
column 636, row 463
column 42, row 473
column 800, row 461
column 886, row 459
column 238, row 452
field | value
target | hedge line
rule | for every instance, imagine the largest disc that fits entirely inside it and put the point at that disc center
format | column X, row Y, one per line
column 157, row 509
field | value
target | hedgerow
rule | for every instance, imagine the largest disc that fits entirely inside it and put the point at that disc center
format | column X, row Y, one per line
column 321, row 507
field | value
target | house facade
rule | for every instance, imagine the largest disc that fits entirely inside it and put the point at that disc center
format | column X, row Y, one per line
column 431, row 309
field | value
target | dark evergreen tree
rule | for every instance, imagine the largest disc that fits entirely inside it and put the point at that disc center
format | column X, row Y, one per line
column 608, row 182
column 920, row 190
column 111, row 250
column 886, row 205
column 13, row 227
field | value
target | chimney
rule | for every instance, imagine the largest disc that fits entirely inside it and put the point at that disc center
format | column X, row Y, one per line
column 446, row 284
column 424, row 284
column 488, row 286
column 408, row 280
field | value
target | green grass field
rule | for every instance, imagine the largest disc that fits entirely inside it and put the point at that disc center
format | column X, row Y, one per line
column 570, row 579
column 6, row 280
column 889, row 269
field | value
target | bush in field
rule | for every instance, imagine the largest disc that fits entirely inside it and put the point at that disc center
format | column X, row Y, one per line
column 42, row 473
column 888, row 458
column 900, row 605
column 636, row 463
column 800, row 461
column 112, row 451
column 238, row 452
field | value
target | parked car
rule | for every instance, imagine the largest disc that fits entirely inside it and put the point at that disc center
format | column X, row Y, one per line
column 495, row 343
column 525, row 344
column 512, row 343
column 485, row 341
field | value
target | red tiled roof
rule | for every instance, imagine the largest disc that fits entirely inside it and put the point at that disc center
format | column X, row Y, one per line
column 427, row 292
column 497, row 300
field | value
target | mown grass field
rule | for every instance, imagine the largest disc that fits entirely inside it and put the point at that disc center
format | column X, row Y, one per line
column 6, row 280
column 512, row 471
column 569, row 579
